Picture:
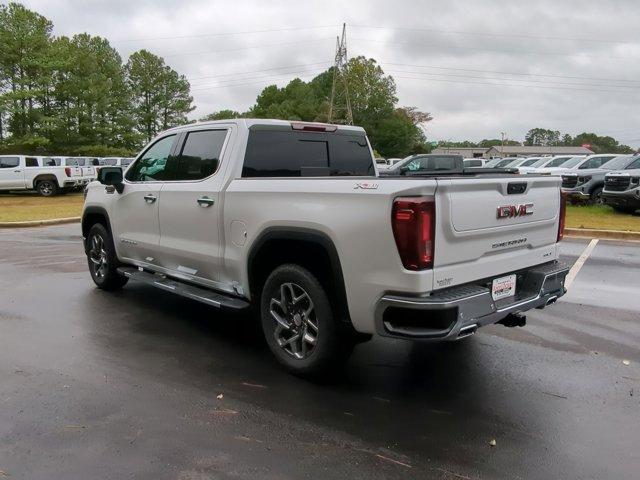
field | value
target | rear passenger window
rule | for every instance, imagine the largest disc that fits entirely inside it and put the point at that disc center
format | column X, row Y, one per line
column 200, row 155
column 299, row 154
column 50, row 162
column 9, row 162
column 31, row 162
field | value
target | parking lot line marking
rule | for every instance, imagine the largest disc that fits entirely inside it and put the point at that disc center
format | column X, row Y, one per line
column 580, row 262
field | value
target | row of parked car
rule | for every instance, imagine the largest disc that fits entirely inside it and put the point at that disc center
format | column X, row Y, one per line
column 594, row 179
column 53, row 174
column 611, row 179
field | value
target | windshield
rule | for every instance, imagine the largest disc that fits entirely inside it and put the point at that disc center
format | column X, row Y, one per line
column 516, row 162
column 572, row 162
column 541, row 162
column 557, row 161
column 617, row 163
column 531, row 162
column 503, row 163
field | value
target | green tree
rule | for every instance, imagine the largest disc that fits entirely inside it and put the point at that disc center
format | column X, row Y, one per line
column 222, row 115
column 542, row 136
column 492, row 142
column 91, row 100
column 25, row 38
column 600, row 144
column 160, row 96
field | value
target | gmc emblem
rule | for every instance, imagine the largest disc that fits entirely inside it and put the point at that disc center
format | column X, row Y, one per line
column 512, row 211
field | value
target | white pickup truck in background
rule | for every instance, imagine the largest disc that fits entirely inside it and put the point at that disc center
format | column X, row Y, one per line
column 292, row 219
column 46, row 175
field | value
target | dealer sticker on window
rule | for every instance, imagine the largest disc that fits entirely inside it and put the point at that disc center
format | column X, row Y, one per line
column 503, row 287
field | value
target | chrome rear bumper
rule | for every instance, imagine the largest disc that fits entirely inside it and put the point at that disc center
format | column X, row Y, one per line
column 457, row 312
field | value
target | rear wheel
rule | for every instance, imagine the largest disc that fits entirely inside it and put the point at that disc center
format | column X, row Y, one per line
column 102, row 259
column 299, row 324
column 47, row 188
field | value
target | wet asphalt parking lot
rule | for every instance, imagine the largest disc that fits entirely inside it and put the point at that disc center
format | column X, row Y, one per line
column 143, row 384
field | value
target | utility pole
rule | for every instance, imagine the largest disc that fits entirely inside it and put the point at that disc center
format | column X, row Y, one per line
column 503, row 134
column 340, row 106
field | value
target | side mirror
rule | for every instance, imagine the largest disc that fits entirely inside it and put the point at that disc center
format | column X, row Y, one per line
column 112, row 176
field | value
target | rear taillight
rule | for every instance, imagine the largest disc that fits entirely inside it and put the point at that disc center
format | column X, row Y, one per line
column 563, row 214
column 413, row 222
column 67, row 171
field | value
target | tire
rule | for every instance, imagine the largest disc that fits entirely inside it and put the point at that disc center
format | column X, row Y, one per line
column 47, row 188
column 596, row 197
column 102, row 260
column 295, row 309
column 629, row 210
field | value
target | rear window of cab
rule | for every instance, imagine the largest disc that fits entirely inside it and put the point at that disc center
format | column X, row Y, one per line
column 274, row 153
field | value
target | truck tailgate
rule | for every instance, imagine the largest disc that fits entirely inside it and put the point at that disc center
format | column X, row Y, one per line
column 488, row 226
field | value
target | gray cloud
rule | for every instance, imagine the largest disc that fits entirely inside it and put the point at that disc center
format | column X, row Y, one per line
column 459, row 60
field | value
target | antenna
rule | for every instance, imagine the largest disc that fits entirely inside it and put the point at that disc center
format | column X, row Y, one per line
column 340, row 107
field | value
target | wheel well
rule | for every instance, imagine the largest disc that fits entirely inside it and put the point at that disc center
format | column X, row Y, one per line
column 40, row 178
column 91, row 217
column 315, row 252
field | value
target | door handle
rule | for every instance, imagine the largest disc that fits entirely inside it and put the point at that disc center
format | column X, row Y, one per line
column 205, row 201
column 17, row 171
column 149, row 198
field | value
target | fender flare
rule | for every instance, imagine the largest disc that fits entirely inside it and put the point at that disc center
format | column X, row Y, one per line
column 311, row 236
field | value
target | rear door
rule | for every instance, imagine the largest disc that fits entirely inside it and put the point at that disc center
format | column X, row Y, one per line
column 490, row 226
column 190, row 210
column 11, row 173
column 135, row 210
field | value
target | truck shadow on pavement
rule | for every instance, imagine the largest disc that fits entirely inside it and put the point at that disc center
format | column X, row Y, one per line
column 424, row 397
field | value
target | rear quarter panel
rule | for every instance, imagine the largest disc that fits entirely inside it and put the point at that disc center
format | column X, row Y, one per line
column 358, row 222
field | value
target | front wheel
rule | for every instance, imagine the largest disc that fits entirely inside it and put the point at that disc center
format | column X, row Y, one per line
column 102, row 259
column 629, row 210
column 596, row 197
column 298, row 322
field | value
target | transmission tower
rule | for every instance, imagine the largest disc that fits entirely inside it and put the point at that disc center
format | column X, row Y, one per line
column 340, row 107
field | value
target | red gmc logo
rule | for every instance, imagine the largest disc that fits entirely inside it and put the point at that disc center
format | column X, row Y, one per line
column 512, row 211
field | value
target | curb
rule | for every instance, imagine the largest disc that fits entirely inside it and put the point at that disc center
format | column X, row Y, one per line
column 39, row 223
column 607, row 234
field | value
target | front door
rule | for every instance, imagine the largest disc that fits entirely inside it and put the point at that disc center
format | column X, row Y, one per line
column 11, row 173
column 135, row 213
column 190, row 211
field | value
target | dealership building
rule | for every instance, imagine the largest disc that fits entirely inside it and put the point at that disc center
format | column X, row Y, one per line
column 512, row 151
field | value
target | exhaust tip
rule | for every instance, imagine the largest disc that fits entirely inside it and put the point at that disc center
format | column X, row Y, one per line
column 551, row 300
column 468, row 330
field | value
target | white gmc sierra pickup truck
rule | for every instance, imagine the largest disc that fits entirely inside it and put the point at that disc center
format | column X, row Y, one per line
column 43, row 174
column 291, row 218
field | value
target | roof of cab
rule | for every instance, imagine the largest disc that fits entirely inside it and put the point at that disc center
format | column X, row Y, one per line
column 250, row 122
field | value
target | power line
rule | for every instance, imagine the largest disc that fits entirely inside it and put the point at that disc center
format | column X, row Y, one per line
column 512, row 73
column 257, row 71
column 261, row 82
column 491, row 34
column 222, row 34
column 519, row 52
column 511, row 85
column 633, row 87
column 232, row 81
column 249, row 48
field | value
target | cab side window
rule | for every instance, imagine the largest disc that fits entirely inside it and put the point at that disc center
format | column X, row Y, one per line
column 31, row 162
column 9, row 162
column 594, row 162
column 200, row 155
column 152, row 165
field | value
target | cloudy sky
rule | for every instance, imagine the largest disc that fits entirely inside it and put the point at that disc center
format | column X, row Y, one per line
column 480, row 67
